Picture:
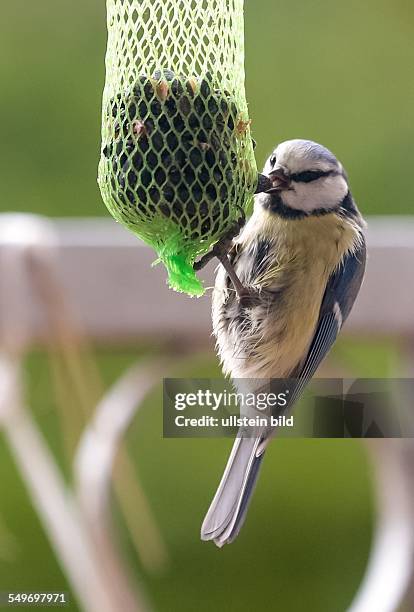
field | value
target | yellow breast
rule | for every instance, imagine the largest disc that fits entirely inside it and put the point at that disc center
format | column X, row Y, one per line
column 303, row 255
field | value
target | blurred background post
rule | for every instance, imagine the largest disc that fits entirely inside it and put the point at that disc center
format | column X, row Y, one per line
column 93, row 501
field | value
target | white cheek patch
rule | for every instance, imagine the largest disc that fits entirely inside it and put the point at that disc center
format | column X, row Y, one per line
column 326, row 192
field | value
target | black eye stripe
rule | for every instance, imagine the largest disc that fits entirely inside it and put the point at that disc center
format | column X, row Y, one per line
column 310, row 175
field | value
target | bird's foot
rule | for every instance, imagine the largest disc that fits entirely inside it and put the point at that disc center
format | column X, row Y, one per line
column 222, row 246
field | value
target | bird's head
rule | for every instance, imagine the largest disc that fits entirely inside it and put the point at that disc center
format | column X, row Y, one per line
column 307, row 179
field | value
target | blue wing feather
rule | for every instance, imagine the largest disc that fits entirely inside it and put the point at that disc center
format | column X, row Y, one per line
column 340, row 294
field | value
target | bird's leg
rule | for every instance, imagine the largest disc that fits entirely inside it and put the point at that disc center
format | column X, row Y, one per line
column 224, row 244
column 243, row 293
column 220, row 251
column 241, row 290
column 203, row 261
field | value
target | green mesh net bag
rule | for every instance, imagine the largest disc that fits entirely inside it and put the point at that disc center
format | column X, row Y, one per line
column 177, row 164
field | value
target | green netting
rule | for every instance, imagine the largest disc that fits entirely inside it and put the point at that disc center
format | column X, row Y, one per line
column 177, row 164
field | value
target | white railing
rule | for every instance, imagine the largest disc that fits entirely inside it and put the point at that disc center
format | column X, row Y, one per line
column 106, row 275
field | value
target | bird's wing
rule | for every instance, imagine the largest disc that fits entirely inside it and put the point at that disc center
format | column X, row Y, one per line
column 340, row 293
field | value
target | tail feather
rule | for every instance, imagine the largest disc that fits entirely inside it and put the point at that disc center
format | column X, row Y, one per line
column 228, row 509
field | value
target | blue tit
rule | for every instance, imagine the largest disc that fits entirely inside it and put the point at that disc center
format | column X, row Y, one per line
column 281, row 297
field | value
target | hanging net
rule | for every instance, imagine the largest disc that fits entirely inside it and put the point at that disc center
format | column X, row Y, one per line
column 177, row 164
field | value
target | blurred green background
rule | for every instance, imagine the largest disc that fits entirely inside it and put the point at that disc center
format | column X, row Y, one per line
column 334, row 72
column 329, row 71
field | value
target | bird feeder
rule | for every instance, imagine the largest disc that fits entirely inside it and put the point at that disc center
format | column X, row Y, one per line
column 177, row 165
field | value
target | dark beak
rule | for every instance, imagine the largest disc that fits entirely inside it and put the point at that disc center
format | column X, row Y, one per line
column 263, row 184
column 280, row 180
